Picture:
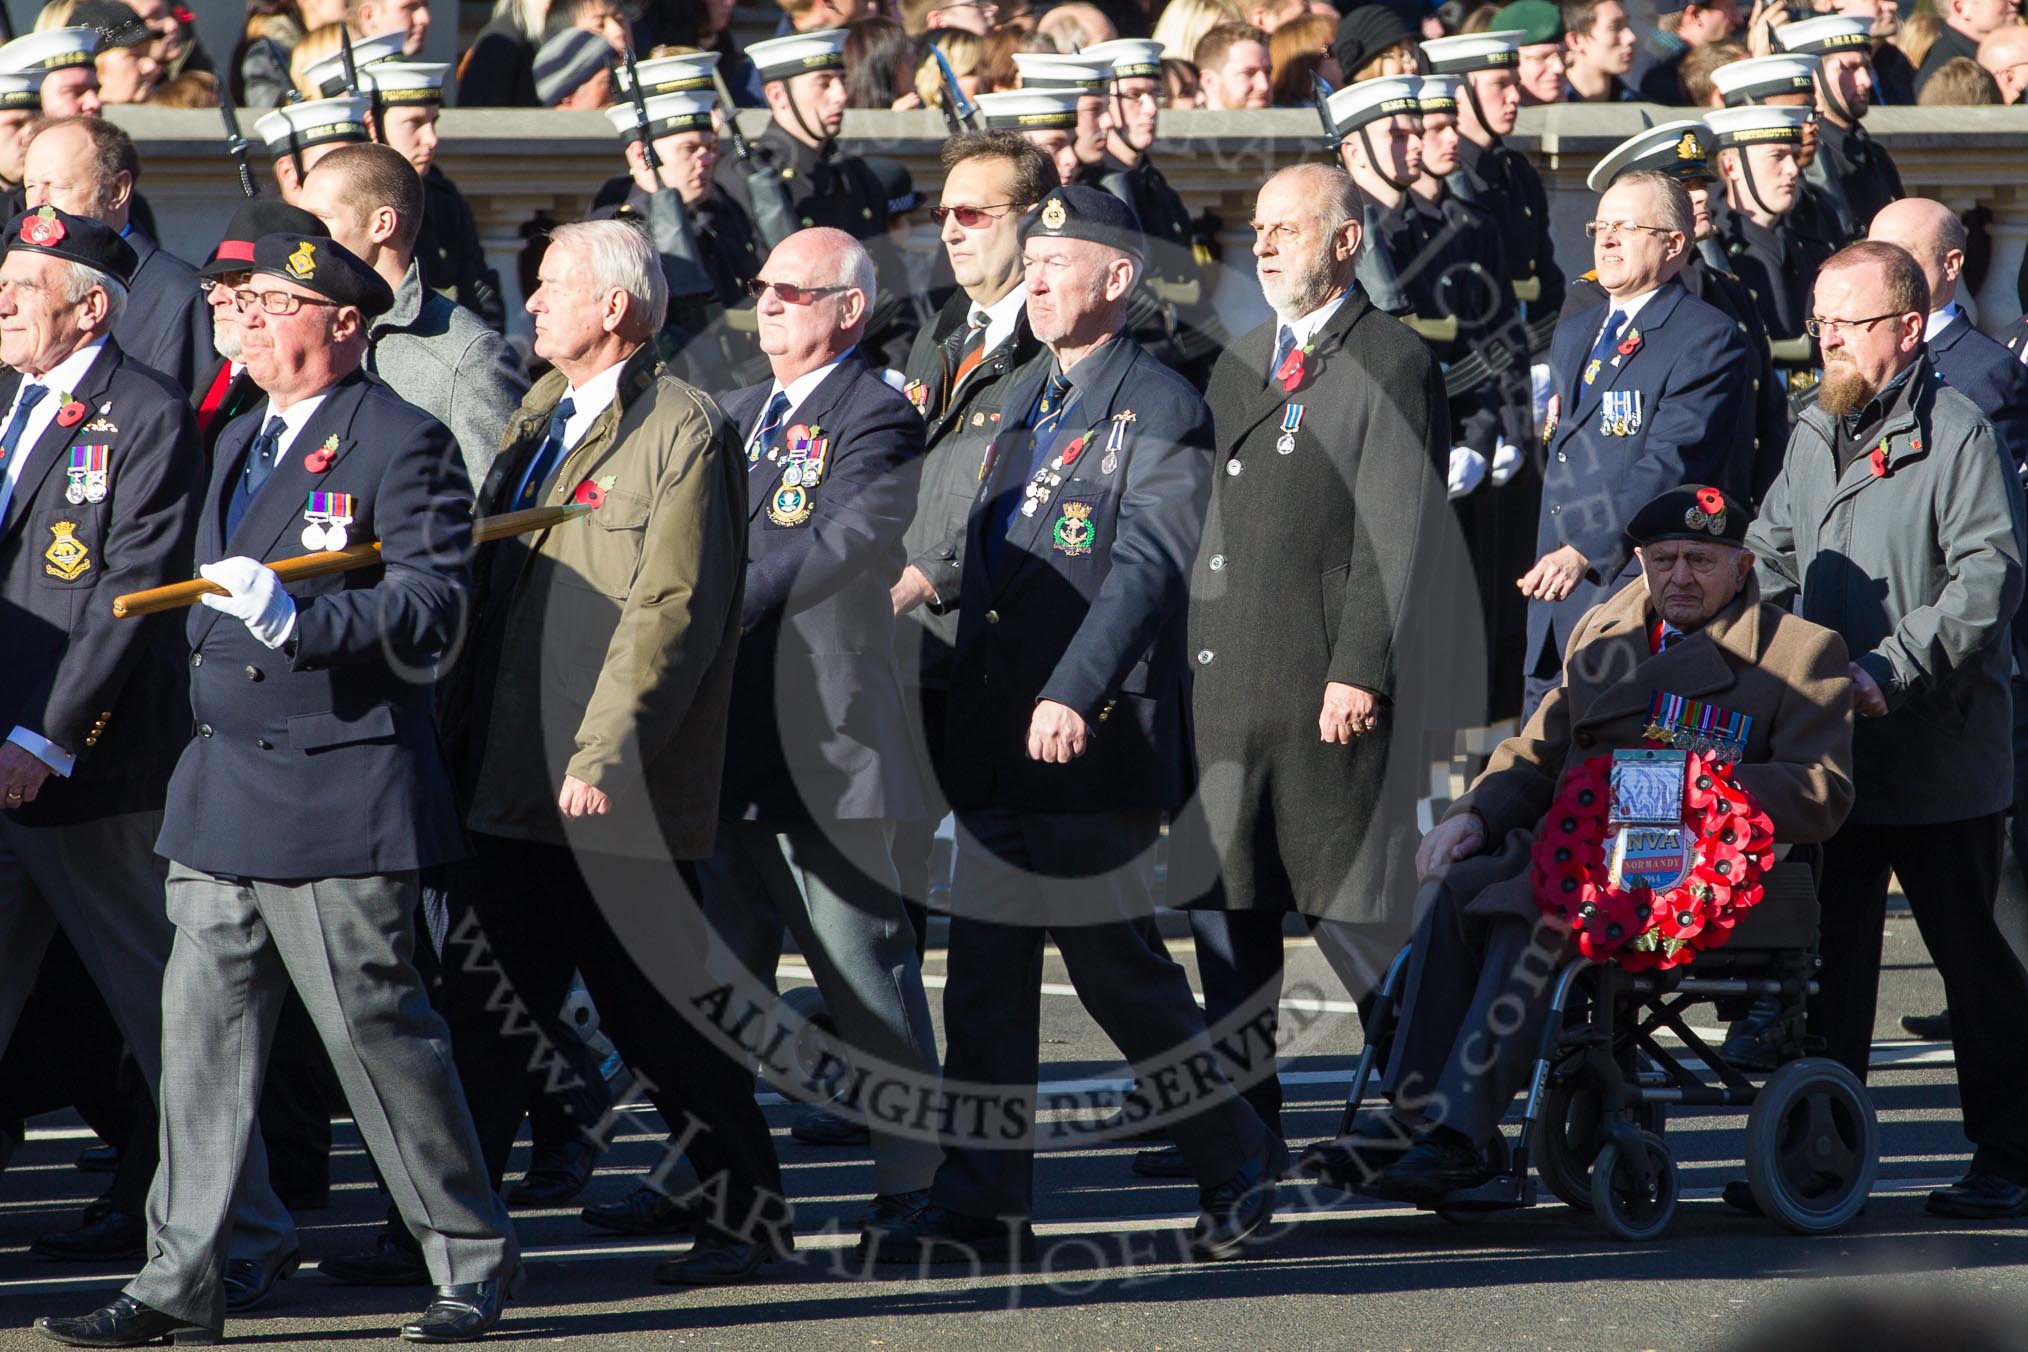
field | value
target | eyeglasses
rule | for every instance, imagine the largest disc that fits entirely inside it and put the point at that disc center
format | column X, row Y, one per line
column 1593, row 229
column 790, row 293
column 971, row 218
column 275, row 302
column 988, row 9
column 207, row 285
column 1817, row 328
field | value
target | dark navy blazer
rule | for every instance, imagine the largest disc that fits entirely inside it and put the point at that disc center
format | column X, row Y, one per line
column 1690, row 371
column 817, row 727
column 1085, row 601
column 320, row 759
column 108, row 691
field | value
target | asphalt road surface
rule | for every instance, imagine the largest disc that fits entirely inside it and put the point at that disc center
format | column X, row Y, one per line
column 1341, row 1273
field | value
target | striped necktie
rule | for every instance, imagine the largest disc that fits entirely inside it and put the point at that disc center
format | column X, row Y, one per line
column 974, row 350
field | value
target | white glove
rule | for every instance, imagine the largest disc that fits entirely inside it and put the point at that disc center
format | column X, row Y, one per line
column 1468, row 469
column 1540, row 388
column 257, row 598
column 1506, row 462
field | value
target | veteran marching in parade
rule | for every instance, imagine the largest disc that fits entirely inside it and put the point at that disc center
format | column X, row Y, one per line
column 456, row 677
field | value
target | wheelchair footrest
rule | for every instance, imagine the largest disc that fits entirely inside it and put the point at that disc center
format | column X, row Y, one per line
column 1501, row 1192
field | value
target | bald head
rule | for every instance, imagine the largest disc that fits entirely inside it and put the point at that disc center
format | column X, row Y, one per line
column 2003, row 54
column 816, row 328
column 1932, row 235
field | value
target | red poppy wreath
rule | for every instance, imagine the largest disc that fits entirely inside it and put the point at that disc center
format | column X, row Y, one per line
column 1730, row 848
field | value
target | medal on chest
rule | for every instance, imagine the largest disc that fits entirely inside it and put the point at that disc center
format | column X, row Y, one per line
column 328, row 514
column 1292, row 422
column 1620, row 415
column 1050, row 477
column 807, row 452
column 87, row 474
column 1690, row 725
column 1116, row 440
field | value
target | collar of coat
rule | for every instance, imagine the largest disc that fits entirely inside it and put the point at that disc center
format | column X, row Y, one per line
column 1617, row 647
column 1910, row 408
column 531, row 420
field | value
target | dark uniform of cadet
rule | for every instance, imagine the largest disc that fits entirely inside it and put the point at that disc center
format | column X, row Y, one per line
column 1865, row 170
column 1504, row 182
column 1778, row 265
column 447, row 250
column 1663, row 408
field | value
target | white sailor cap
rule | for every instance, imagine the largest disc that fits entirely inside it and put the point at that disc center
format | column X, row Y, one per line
column 295, row 127
column 1764, row 77
column 399, row 84
column 798, row 54
column 1029, row 109
column 1439, row 93
column 1757, row 124
column 54, row 50
column 21, row 90
column 1130, row 57
column 668, row 114
column 1681, row 150
column 670, row 74
column 1084, row 72
column 1825, row 35
column 1371, row 100
column 327, row 76
column 1468, row 52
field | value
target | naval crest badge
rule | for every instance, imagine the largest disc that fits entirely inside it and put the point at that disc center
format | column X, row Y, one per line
column 1074, row 530
column 69, row 558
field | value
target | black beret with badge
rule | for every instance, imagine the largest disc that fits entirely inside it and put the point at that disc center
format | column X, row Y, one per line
column 1080, row 212
column 76, row 239
column 1691, row 512
column 325, row 267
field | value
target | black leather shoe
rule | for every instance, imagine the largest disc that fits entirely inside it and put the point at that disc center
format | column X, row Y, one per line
column 641, row 1212
column 106, row 1234
column 1441, row 1163
column 883, row 1213
column 935, row 1235
column 820, row 1126
column 1230, row 1213
column 717, row 1260
column 557, row 1177
column 1928, row 1027
column 248, row 1282
column 1762, row 1038
column 125, row 1323
column 99, row 1159
column 463, row 1314
column 1354, row 1163
column 1979, row 1197
column 1162, row 1162
column 394, row 1260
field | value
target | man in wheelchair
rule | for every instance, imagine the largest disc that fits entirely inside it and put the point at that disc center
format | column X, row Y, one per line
column 1484, row 957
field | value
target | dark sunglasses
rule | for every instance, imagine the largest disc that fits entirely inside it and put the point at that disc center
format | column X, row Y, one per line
column 790, row 293
column 971, row 218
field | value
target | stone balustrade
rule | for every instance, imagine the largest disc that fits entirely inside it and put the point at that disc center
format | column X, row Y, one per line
column 513, row 164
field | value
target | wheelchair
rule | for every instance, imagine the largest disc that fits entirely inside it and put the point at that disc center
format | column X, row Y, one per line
column 1604, row 1079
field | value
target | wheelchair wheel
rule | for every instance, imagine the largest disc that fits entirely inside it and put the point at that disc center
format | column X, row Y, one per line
column 1567, row 1137
column 1812, row 1146
column 1630, row 1209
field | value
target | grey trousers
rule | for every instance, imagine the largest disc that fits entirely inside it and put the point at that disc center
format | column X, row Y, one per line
column 853, row 930
column 1471, row 1011
column 102, row 882
column 345, row 944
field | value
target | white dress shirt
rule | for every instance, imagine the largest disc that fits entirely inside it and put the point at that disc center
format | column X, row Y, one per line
column 1001, row 317
column 1938, row 321
column 588, row 401
column 799, row 389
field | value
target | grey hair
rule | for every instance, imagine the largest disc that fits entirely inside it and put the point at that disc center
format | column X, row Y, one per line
column 78, row 280
column 617, row 254
column 1672, row 202
column 1335, row 194
column 856, row 270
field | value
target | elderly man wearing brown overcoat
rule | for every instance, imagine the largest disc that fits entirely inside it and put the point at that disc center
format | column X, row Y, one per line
column 1693, row 625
